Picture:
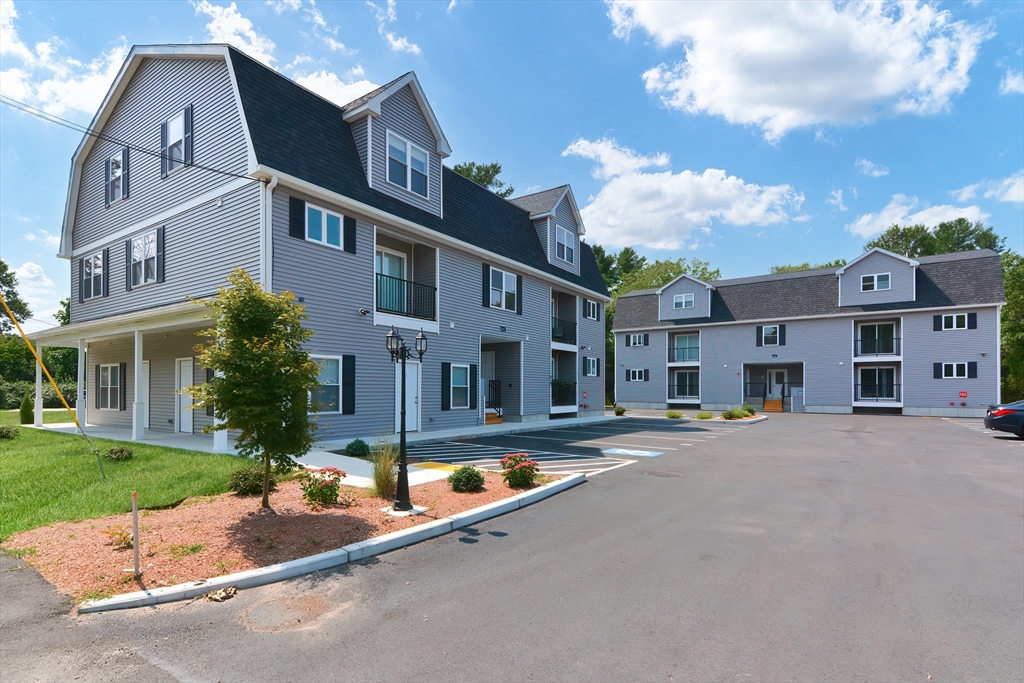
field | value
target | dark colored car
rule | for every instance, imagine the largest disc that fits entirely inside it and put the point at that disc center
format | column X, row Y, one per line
column 1006, row 417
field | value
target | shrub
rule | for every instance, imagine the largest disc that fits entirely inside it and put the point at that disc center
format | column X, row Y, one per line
column 748, row 409
column 673, row 415
column 26, row 412
column 735, row 414
column 248, row 481
column 357, row 449
column 119, row 453
column 8, row 432
column 321, row 487
column 385, row 468
column 466, row 479
column 704, row 415
column 120, row 537
column 620, row 411
column 12, row 391
column 518, row 470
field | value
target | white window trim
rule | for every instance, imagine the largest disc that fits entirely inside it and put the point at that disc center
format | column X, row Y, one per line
column 636, row 375
column 675, row 346
column 683, row 300
column 952, row 318
column 764, row 335
column 328, row 412
column 323, row 226
column 589, row 372
column 394, row 252
column 452, row 385
column 504, row 291
column 675, row 377
column 955, row 365
column 874, row 282
column 93, row 277
column 570, row 244
column 407, row 186
column 636, row 339
column 170, row 143
column 122, row 154
column 591, row 306
column 156, row 260
column 109, row 386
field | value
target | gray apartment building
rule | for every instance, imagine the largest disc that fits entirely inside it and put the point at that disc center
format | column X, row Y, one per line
column 884, row 333
column 206, row 161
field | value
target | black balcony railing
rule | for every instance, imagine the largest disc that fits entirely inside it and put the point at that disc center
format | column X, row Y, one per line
column 886, row 346
column 563, row 393
column 876, row 392
column 760, row 390
column 755, row 390
column 494, row 395
column 678, row 355
column 404, row 297
column 563, row 331
column 679, row 391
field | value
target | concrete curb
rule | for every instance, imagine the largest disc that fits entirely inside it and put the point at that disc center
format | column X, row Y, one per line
column 332, row 558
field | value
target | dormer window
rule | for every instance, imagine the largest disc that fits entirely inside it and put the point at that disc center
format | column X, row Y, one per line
column 408, row 165
column 877, row 282
column 682, row 301
column 564, row 244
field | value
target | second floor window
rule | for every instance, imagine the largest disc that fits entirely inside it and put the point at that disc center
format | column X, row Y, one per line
column 503, row 290
column 323, row 226
column 144, row 259
column 564, row 244
column 954, row 370
column 682, row 301
column 956, row 321
column 771, row 335
column 591, row 369
column 871, row 283
column 686, row 347
column 408, row 165
column 638, row 375
column 637, row 339
column 591, row 309
column 92, row 276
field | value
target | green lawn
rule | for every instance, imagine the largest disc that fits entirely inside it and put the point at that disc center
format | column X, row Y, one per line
column 48, row 477
column 10, row 417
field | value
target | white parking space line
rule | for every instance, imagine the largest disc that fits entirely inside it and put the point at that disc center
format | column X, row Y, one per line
column 626, row 434
column 574, row 440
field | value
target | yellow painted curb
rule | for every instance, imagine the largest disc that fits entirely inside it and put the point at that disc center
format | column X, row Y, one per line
column 437, row 466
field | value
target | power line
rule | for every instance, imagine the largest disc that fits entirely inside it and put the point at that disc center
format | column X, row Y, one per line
column 52, row 118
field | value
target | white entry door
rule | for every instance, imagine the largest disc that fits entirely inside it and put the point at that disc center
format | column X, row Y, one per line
column 486, row 374
column 144, row 392
column 182, row 400
column 776, row 383
column 412, row 397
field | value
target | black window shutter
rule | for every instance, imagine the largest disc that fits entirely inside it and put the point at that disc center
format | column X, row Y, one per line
column 972, row 370
column 598, row 311
column 349, row 238
column 106, row 272
column 296, row 218
column 760, row 335
column 519, row 294
column 81, row 280
column 209, row 378
column 629, row 374
column 163, row 149
column 598, row 367
column 348, row 385
column 782, row 335
column 583, row 364
column 473, row 388
column 123, row 388
column 106, row 183
column 936, row 323
column 937, row 370
column 96, row 399
column 446, row 386
column 629, row 340
column 160, row 254
column 188, row 135
column 647, row 375
column 647, row 339
column 487, row 286
column 124, row 173
column 585, row 308
column 128, row 266
column 972, row 321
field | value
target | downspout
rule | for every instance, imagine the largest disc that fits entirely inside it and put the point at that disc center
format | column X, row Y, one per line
column 267, row 241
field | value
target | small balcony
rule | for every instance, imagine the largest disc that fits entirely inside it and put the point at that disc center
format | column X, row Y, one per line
column 563, row 393
column 683, row 354
column 873, row 347
column 880, row 393
column 682, row 391
column 563, row 331
column 405, row 297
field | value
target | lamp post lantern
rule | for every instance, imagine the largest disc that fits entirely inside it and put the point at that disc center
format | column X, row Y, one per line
column 399, row 354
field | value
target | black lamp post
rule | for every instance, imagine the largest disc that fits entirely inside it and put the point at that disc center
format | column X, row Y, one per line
column 399, row 354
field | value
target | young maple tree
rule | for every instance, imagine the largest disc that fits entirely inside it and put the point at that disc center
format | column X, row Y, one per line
column 263, row 374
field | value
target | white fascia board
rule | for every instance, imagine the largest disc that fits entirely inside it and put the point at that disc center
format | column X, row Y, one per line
column 183, row 315
column 879, row 250
column 374, row 214
column 681, row 277
column 572, row 205
column 373, row 106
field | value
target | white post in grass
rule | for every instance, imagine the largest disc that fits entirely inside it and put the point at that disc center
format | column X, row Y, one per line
column 38, row 417
column 135, row 530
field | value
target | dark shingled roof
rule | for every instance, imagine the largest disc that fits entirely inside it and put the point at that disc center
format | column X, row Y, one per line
column 540, row 202
column 297, row 132
column 960, row 279
column 360, row 101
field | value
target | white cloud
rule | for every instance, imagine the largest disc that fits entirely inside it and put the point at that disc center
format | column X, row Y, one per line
column 44, row 237
column 783, row 66
column 39, row 292
column 227, row 25
column 900, row 211
column 966, row 192
column 387, row 15
column 280, row 6
column 328, row 85
column 451, row 5
column 356, row 71
column 836, row 200
column 1009, row 190
column 662, row 209
column 1012, row 83
column 865, row 167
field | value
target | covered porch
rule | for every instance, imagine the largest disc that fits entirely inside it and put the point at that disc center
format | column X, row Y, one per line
column 778, row 386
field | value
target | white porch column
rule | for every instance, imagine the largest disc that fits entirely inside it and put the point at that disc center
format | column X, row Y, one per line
column 80, row 402
column 220, row 438
column 38, row 417
column 139, row 406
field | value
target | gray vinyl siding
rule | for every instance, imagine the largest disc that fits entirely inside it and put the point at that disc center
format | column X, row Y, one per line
column 424, row 265
column 541, row 226
column 162, row 350
column 159, row 89
column 201, row 247
column 565, row 219
column 358, row 129
column 922, row 347
column 401, row 115
column 653, row 358
column 701, row 301
column 507, row 371
column 105, row 353
column 901, row 281
column 591, row 334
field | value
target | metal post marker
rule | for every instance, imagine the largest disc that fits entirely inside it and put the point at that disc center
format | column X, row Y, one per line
column 135, row 531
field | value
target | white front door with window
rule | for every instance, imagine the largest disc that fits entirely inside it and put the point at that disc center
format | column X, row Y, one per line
column 776, row 383
column 412, row 397
column 486, row 373
column 183, row 401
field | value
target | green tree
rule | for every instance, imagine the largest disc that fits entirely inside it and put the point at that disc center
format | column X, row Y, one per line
column 9, row 290
column 264, row 374
column 949, row 236
column 485, row 175
column 628, row 261
column 794, row 268
column 908, row 240
column 62, row 362
column 606, row 264
column 660, row 273
column 63, row 314
column 16, row 361
column 1012, row 328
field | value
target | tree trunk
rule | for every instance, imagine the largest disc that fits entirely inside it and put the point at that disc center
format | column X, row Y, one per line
column 266, row 480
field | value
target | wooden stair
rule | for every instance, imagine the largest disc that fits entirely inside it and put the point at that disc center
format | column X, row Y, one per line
column 773, row 405
column 493, row 418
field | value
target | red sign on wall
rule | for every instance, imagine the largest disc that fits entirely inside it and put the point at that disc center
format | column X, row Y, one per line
column 584, row 394
column 963, row 394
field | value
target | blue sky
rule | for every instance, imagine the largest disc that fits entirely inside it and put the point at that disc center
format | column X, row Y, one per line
column 744, row 134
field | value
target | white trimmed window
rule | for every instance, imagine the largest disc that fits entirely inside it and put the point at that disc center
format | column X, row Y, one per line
column 770, row 335
column 323, row 226
column 503, row 290
column 591, row 309
column 954, row 370
column 637, row 375
column 144, row 259
column 110, row 387
column 637, row 340
column 876, row 282
column 591, row 370
column 326, row 398
column 460, row 386
column 118, row 176
column 408, row 165
column 92, row 276
column 175, row 141
column 682, row 301
column 954, row 321
column 564, row 244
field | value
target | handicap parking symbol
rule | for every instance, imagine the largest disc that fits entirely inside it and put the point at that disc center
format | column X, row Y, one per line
column 632, row 453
